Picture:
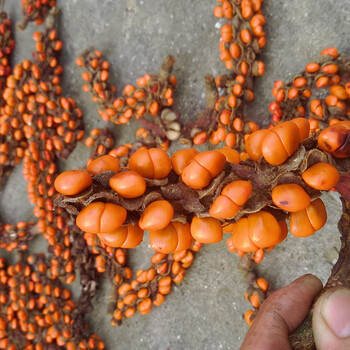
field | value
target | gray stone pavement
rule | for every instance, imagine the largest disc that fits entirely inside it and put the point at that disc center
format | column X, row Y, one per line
column 205, row 311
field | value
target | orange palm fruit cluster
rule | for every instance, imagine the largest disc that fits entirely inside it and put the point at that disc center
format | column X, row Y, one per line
column 305, row 222
column 321, row 176
column 174, row 237
column 203, row 168
column 232, row 197
column 290, row 197
column 257, row 231
column 336, row 139
column 278, row 144
column 96, row 218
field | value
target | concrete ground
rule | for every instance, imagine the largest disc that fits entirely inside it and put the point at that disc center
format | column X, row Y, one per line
column 205, row 311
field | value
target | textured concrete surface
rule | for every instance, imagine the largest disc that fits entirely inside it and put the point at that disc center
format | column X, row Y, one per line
column 205, row 311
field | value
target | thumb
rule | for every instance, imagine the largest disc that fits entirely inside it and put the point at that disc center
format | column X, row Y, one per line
column 281, row 314
column 331, row 320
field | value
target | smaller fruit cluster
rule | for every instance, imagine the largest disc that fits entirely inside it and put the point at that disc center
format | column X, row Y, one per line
column 224, row 119
column 242, row 39
column 37, row 312
column 151, row 286
column 101, row 142
column 150, row 95
column 292, row 99
column 243, row 36
column 17, row 236
column 35, row 11
column 148, row 288
column 38, row 124
column 257, row 291
column 7, row 44
column 230, row 127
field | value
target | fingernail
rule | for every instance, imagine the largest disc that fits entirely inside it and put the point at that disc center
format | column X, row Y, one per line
column 336, row 312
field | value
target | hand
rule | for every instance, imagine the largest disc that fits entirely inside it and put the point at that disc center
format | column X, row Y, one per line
column 284, row 310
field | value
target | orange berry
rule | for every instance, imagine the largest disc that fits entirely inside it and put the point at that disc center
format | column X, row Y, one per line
column 280, row 143
column 153, row 163
column 230, row 139
column 322, row 81
column 245, row 35
column 226, row 33
column 218, row 12
column 290, row 197
column 330, row 68
column 330, row 51
column 264, row 230
column 128, row 236
column 72, row 182
column 128, row 184
column 334, row 139
column 312, row 67
column 145, row 306
column 240, row 237
column 154, row 108
column 232, row 197
column 200, row 138
column 339, row 91
column 202, row 168
column 253, row 143
column 101, row 217
column 156, row 216
column 206, row 230
column 322, row 176
column 181, row 158
column 173, row 238
column 262, row 284
column 104, row 163
column 232, row 156
column 235, row 51
column 305, row 222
